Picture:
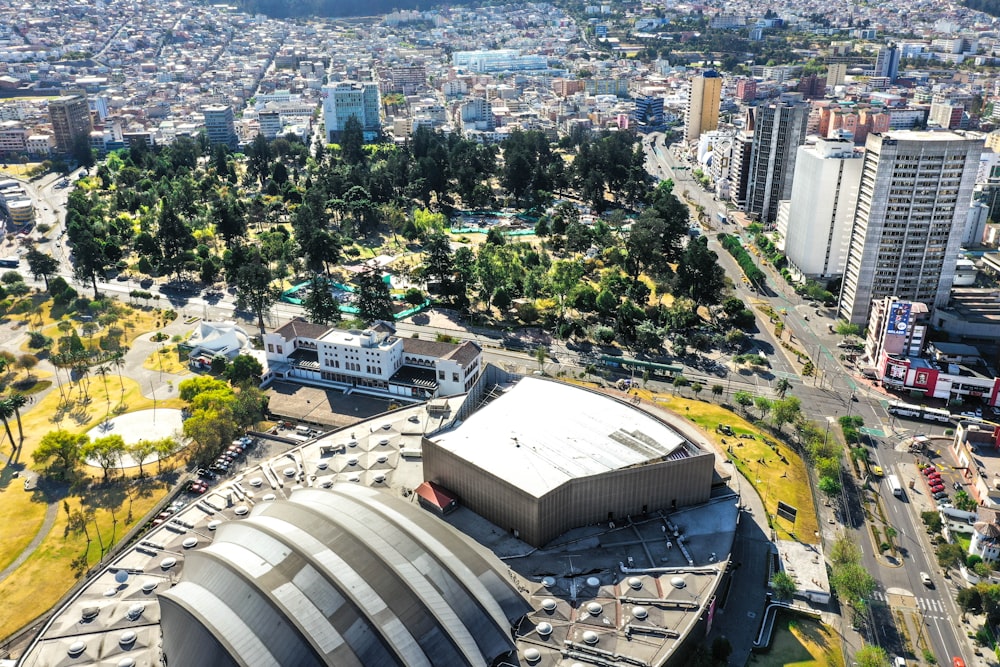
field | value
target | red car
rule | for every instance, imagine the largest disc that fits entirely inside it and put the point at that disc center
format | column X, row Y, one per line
column 935, row 476
column 937, row 489
column 928, row 470
column 197, row 488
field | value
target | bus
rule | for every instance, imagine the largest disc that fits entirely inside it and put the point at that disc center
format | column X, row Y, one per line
column 10, row 262
column 920, row 412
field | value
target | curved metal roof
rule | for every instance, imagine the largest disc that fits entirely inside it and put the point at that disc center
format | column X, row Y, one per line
column 345, row 576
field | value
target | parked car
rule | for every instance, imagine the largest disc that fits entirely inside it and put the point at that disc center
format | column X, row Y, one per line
column 937, row 489
column 941, row 495
column 928, row 470
column 204, row 473
column 926, row 578
column 957, row 486
column 197, row 488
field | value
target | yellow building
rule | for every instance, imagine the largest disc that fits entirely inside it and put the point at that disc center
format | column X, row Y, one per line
column 702, row 113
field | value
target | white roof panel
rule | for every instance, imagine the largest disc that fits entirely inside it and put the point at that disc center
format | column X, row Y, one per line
column 541, row 434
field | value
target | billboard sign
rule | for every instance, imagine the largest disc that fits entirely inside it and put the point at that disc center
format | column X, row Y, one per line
column 899, row 318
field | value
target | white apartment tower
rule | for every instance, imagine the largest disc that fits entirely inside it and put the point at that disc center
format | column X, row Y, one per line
column 916, row 188
column 817, row 229
column 344, row 99
column 704, row 98
column 779, row 130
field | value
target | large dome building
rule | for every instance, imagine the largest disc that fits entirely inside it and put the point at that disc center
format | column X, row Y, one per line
column 346, row 576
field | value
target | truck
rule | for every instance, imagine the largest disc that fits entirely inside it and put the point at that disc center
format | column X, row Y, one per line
column 897, row 488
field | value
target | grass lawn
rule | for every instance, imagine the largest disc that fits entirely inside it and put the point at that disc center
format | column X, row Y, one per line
column 962, row 539
column 166, row 360
column 760, row 461
column 800, row 642
column 59, row 560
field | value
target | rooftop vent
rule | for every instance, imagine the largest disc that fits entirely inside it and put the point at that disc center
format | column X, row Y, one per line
column 76, row 648
column 640, row 612
column 635, row 582
column 678, row 582
column 590, row 637
column 544, row 629
column 594, row 608
column 532, row 655
column 548, row 604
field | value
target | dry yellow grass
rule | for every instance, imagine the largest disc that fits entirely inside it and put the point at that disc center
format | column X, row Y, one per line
column 763, row 466
column 166, row 360
column 801, row 642
column 53, row 568
column 773, row 478
column 20, row 515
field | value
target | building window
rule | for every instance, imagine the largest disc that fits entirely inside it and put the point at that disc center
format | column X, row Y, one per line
column 277, row 348
column 440, row 375
column 270, row 347
column 454, row 377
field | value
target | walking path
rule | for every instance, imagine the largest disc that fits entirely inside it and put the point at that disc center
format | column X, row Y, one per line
column 50, row 518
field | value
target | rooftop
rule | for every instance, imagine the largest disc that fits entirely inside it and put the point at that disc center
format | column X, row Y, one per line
column 553, row 432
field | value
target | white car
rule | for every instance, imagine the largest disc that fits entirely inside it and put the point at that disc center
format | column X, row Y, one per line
column 926, row 578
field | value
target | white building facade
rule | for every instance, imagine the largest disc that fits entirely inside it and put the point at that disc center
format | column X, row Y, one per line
column 817, row 229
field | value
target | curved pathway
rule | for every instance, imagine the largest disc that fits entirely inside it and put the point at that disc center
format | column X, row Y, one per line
column 51, row 512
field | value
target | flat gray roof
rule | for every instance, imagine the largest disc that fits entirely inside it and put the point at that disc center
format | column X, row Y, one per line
column 540, row 434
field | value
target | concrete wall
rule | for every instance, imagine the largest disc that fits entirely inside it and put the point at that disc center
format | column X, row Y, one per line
column 599, row 498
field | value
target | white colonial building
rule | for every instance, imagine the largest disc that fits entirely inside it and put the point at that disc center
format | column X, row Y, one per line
column 372, row 361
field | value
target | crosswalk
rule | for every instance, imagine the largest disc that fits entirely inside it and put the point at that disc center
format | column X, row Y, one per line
column 929, row 607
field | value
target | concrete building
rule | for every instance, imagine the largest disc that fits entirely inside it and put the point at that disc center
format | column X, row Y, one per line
column 373, row 361
column 702, row 111
column 817, row 230
column 836, row 74
column 779, row 130
column 916, row 188
column 220, row 125
column 344, row 99
column 545, row 457
column 887, row 63
column 70, row 117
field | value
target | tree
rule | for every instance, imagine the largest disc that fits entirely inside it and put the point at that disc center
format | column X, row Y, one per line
column 965, row 502
column 784, row 585
column 107, row 451
column 744, row 399
column 763, row 404
column 950, row 555
column 782, row 386
column 845, row 328
column 254, row 291
column 6, row 412
column 320, row 304
column 244, row 369
column 785, row 411
column 438, row 260
column 853, row 583
column 42, row 265
column 62, row 448
column 871, row 656
column 540, row 354
column 374, row 301
column 696, row 387
column 140, row 451
column 699, row 275
column 564, row 276
column 829, row 485
column 17, row 400
column 718, row 390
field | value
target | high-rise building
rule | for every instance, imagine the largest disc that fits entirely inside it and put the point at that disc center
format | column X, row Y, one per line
column 779, row 130
column 702, row 113
column 648, row 113
column 70, row 116
column 817, row 229
column 812, row 86
column 746, row 90
column 220, row 125
column 887, row 62
column 344, row 99
column 913, row 202
column 836, row 74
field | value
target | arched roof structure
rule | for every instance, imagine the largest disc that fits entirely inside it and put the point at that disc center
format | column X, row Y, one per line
column 345, row 576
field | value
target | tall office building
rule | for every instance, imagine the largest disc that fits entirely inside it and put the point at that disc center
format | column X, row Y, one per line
column 704, row 97
column 70, row 116
column 344, row 99
column 887, row 62
column 817, row 228
column 746, row 90
column 648, row 113
column 913, row 202
column 779, row 130
column 220, row 125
